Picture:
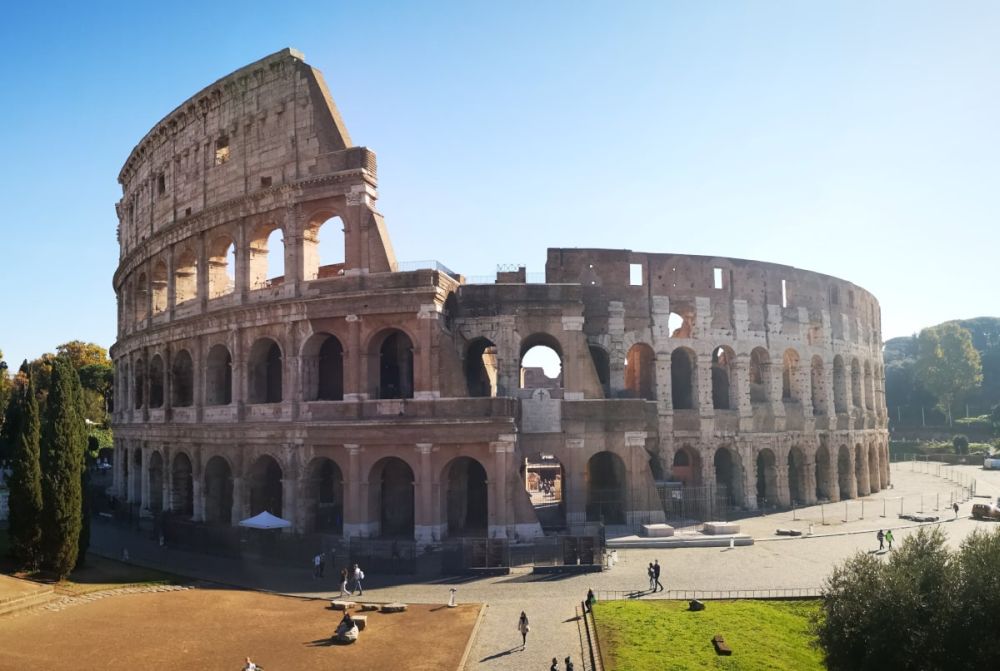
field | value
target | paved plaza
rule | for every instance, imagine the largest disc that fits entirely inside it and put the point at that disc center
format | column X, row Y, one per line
column 551, row 602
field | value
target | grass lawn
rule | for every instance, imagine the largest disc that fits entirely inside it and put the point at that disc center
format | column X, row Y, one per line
column 661, row 635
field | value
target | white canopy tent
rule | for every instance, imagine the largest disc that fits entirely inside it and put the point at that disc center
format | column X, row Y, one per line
column 265, row 520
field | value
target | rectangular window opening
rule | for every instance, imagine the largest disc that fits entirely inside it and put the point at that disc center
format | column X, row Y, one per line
column 784, row 294
column 718, row 278
column 265, row 181
column 221, row 150
column 161, row 184
column 635, row 274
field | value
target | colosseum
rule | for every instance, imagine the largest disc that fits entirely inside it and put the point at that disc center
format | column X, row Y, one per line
column 272, row 354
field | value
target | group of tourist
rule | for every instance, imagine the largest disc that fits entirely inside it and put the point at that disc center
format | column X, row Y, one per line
column 883, row 538
column 354, row 575
column 653, row 573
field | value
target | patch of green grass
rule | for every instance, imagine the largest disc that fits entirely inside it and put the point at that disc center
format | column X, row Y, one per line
column 664, row 635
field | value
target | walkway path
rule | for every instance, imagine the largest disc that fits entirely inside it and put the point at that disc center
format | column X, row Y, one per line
column 550, row 602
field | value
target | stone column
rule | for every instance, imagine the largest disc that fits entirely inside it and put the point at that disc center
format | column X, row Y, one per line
column 289, row 491
column 749, row 476
column 425, row 352
column 355, row 495
column 426, row 525
column 499, row 502
column 574, row 491
column 355, row 373
column 168, row 475
column 703, row 373
column 809, row 481
column 572, row 335
column 240, row 504
column 781, row 468
column 144, row 482
column 616, row 347
column 864, row 484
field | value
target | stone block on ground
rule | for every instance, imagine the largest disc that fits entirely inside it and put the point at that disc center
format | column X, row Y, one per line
column 337, row 604
column 721, row 528
column 394, row 608
column 787, row 532
column 656, row 530
column 365, row 607
column 361, row 621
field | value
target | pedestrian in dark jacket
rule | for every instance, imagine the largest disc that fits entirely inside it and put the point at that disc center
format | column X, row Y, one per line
column 656, row 574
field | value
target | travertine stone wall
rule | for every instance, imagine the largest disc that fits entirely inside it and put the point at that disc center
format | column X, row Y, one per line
column 355, row 397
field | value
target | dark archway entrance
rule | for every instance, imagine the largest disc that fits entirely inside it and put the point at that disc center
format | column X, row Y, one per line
column 324, row 497
column 395, row 366
column 218, row 491
column 391, row 502
column 767, row 478
column 545, row 481
column 606, row 493
column 265, row 486
column 824, row 482
column 466, row 498
column 796, row 475
column 844, row 472
column 182, row 486
column 481, row 368
column 728, row 477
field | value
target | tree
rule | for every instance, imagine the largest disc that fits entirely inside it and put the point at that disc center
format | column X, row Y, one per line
column 924, row 608
column 947, row 364
column 64, row 439
column 81, row 354
column 5, row 394
column 25, row 482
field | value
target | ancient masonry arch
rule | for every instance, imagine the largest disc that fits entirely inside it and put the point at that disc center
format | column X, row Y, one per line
column 359, row 396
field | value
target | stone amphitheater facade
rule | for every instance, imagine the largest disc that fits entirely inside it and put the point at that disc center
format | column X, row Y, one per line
column 367, row 398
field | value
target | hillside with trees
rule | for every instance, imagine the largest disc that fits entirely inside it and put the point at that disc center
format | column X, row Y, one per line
column 947, row 375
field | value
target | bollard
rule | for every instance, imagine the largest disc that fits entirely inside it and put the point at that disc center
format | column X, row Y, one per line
column 883, row 506
column 845, row 511
column 937, row 502
column 900, row 506
column 451, row 599
column 822, row 514
column 862, row 510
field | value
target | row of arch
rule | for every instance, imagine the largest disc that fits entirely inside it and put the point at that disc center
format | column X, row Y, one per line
column 149, row 293
column 464, row 503
column 794, row 479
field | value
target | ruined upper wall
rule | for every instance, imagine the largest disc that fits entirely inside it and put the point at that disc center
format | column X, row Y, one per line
column 769, row 291
column 266, row 124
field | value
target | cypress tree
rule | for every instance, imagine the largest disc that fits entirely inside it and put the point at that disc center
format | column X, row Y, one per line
column 25, row 501
column 64, row 440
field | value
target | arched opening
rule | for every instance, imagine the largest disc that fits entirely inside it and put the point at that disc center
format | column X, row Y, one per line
column 796, row 475
column 790, row 376
column 265, row 486
column 159, row 287
column 394, row 352
column 481, row 368
column 869, row 387
column 466, row 498
column 860, row 470
column 767, row 479
column 449, row 311
column 640, row 372
column 139, row 384
column 182, row 486
column 323, row 247
column 723, row 390
column 218, row 491
column 391, row 497
column 323, row 368
column 156, row 382
column 824, row 481
column 817, row 381
column 602, row 364
column 185, row 276
column 686, row 467
column 219, row 376
column 267, row 257
column 760, row 368
column 182, row 380
column 873, row 469
column 135, row 494
column 857, row 397
column 544, row 480
column 140, row 299
column 682, row 378
column 678, row 326
column 541, row 362
column 839, row 385
column 729, row 476
column 845, row 475
column 606, row 493
column 155, row 502
column 221, row 267
column 264, row 382
column 324, row 497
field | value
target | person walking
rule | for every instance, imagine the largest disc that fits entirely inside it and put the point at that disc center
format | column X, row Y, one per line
column 343, row 583
column 651, row 574
column 591, row 600
column 358, row 576
column 954, row 507
column 881, row 540
column 889, row 538
column 555, row 665
column 569, row 664
column 317, row 562
column 656, row 574
column 522, row 626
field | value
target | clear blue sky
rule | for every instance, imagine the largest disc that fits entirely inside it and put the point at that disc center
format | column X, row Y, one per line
column 856, row 140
